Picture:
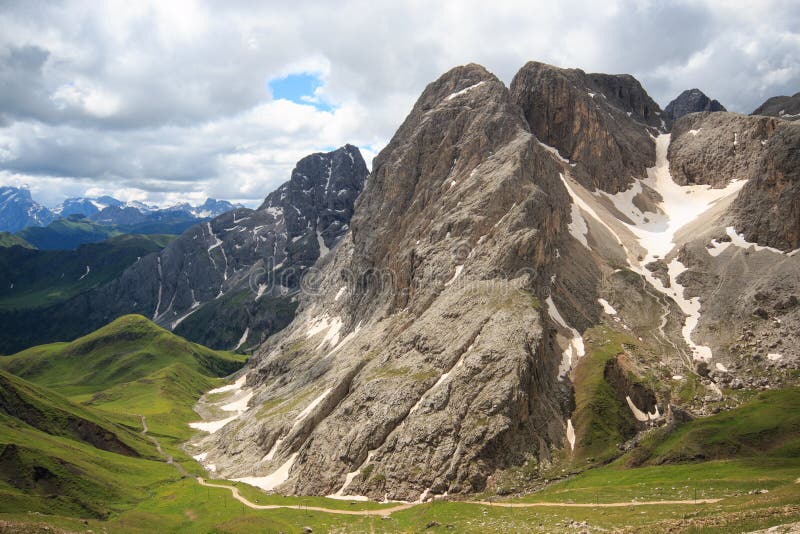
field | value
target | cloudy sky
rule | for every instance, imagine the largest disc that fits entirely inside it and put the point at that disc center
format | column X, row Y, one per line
column 178, row 100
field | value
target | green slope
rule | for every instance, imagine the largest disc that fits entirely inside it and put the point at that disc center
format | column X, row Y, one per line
column 49, row 412
column 67, row 234
column 37, row 278
column 130, row 366
column 59, row 457
column 10, row 240
column 70, row 417
column 766, row 425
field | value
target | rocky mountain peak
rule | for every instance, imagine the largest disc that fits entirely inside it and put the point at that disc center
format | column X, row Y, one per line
column 320, row 194
column 690, row 101
column 603, row 123
column 433, row 292
column 425, row 185
column 229, row 282
column 18, row 210
column 784, row 107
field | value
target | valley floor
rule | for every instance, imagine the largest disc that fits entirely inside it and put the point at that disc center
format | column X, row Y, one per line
column 732, row 496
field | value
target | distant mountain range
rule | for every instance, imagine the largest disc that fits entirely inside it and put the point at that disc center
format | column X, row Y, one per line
column 18, row 211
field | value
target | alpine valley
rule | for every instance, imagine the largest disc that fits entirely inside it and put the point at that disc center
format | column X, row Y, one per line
column 549, row 306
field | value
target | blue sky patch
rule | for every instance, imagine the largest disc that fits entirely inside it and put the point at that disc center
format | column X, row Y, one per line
column 299, row 88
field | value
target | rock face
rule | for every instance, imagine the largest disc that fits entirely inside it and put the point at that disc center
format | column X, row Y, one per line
column 18, row 210
column 784, row 107
column 767, row 210
column 495, row 301
column 601, row 122
column 690, row 101
column 716, row 148
column 229, row 282
column 423, row 361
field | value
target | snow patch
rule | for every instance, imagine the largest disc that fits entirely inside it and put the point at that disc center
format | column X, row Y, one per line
column 212, row 426
column 239, row 405
column 575, row 350
column 308, row 409
column 340, row 293
column 739, row 240
column 270, row 482
column 463, row 91
column 571, row 434
column 230, row 387
column 271, row 454
column 340, row 495
column 323, row 250
column 459, row 268
column 88, row 270
column 243, row 338
column 607, row 307
column 577, row 226
column 774, row 356
column 717, row 247
column 639, row 414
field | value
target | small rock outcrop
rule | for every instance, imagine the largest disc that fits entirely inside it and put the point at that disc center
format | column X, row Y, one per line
column 690, row 101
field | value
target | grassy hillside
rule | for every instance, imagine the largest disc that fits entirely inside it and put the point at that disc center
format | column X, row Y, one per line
column 37, row 278
column 132, row 367
column 70, row 417
column 129, row 366
column 767, row 425
column 600, row 418
column 57, row 456
column 67, row 234
column 10, row 240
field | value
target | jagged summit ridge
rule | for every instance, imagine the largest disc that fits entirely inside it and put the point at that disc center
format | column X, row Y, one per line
column 601, row 122
column 690, row 101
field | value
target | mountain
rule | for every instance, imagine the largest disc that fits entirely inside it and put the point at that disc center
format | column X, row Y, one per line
column 40, row 278
column 229, row 282
column 85, row 206
column 18, row 210
column 67, row 233
column 690, row 101
column 784, row 107
column 93, row 220
column 533, row 278
column 600, row 122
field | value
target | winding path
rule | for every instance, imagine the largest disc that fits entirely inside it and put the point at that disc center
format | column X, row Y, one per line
column 167, row 457
column 238, row 496
column 388, row 511
column 404, row 506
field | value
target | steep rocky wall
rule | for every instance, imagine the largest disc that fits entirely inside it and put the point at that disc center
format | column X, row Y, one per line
column 767, row 210
column 602, row 122
column 717, row 148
